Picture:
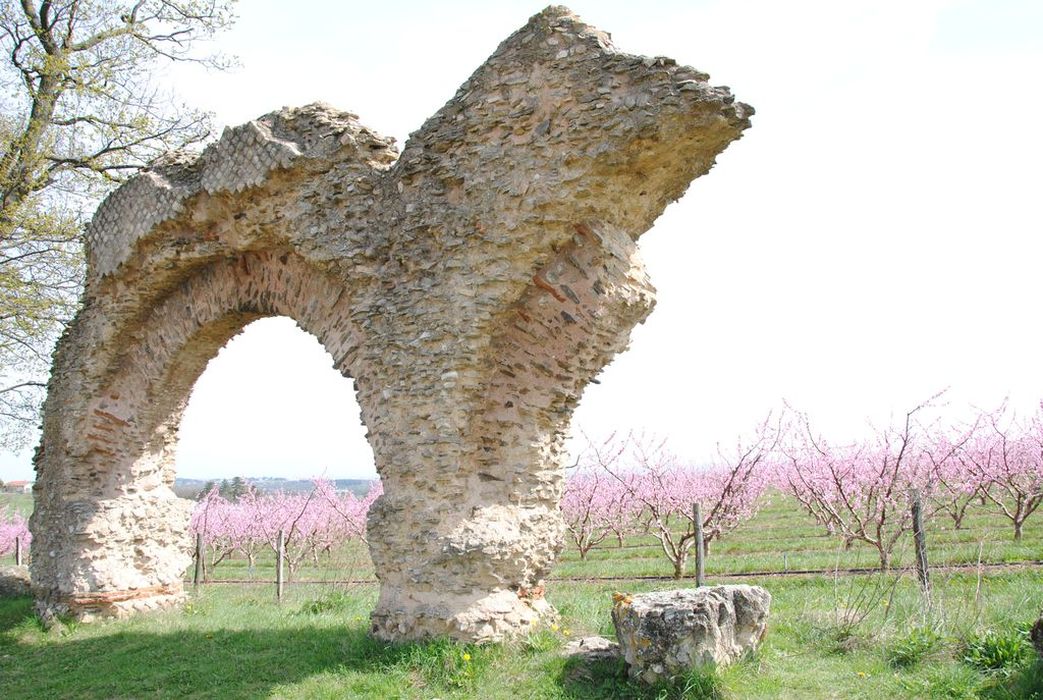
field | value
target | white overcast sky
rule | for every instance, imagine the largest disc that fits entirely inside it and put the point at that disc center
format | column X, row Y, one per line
column 874, row 238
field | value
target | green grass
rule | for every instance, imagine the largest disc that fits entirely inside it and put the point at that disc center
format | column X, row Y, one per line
column 236, row 642
column 863, row 636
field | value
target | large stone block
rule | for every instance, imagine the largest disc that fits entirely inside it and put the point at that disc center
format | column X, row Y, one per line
column 670, row 632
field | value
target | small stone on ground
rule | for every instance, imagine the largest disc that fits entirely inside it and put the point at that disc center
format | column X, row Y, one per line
column 592, row 649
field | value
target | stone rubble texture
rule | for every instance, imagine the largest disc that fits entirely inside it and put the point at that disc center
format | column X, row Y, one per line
column 471, row 285
column 667, row 633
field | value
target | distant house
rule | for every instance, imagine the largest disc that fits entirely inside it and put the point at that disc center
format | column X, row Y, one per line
column 18, row 487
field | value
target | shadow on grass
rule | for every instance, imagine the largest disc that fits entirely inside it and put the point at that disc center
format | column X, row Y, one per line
column 220, row 663
column 114, row 661
column 14, row 611
column 583, row 680
column 1026, row 683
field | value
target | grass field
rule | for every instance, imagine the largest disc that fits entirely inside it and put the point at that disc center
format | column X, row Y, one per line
column 21, row 503
column 782, row 536
column 861, row 636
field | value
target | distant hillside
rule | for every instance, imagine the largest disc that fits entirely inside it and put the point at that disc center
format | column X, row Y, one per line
column 190, row 488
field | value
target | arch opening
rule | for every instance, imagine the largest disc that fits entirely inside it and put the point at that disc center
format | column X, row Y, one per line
column 270, row 406
column 130, row 545
column 272, row 439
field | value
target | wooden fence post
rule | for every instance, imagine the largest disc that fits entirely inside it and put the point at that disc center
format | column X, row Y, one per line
column 280, row 554
column 922, row 572
column 197, row 577
column 700, row 550
column 18, row 551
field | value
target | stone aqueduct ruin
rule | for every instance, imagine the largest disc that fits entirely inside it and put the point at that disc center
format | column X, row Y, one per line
column 471, row 285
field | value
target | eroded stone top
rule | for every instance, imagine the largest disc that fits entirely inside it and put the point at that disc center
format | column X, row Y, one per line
column 243, row 157
column 554, row 103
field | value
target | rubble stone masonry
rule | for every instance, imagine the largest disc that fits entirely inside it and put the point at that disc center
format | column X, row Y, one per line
column 471, row 285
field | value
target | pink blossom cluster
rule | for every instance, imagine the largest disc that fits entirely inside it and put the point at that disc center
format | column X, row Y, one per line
column 998, row 460
column 13, row 526
column 596, row 505
column 312, row 523
column 631, row 483
column 864, row 491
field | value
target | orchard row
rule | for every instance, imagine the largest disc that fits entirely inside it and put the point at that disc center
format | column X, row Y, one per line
column 634, row 485
column 862, row 491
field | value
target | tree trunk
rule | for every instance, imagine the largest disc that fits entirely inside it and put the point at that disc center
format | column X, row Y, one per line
column 885, row 559
column 680, row 563
column 1017, row 531
column 17, row 165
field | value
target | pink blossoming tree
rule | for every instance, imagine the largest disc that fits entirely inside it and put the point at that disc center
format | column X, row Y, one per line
column 728, row 490
column 1007, row 460
column 594, row 503
column 862, row 490
column 312, row 523
column 13, row 527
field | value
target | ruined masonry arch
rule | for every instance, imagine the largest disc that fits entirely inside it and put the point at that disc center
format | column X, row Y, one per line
column 471, row 285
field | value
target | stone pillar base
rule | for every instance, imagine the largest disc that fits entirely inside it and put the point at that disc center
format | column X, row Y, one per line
column 87, row 607
column 479, row 617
